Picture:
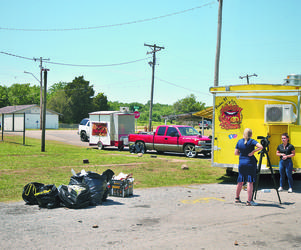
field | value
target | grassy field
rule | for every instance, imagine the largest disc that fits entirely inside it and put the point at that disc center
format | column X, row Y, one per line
column 21, row 164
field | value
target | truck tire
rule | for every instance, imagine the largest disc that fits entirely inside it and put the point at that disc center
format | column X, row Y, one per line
column 100, row 145
column 207, row 154
column 189, row 151
column 139, row 146
column 83, row 136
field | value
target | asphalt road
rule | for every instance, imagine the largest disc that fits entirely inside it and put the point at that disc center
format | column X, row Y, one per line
column 191, row 217
column 66, row 136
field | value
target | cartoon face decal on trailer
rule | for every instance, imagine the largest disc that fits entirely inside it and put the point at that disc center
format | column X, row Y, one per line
column 230, row 116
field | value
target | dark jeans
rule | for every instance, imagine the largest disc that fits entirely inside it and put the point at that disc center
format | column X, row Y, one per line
column 286, row 167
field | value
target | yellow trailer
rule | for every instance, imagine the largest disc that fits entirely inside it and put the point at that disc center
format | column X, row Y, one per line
column 268, row 109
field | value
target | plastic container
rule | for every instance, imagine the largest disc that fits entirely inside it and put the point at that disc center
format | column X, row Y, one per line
column 265, row 190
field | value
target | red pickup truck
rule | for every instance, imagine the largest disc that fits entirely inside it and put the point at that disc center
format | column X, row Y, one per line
column 173, row 138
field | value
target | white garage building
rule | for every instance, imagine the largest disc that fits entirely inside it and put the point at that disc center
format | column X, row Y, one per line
column 32, row 117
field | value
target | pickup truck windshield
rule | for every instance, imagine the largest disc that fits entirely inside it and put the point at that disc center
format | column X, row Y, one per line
column 188, row 131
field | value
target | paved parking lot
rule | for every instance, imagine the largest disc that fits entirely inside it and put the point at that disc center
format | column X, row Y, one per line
column 191, row 217
column 66, row 136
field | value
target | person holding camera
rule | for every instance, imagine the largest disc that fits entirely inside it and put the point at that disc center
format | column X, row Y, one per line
column 286, row 151
column 245, row 148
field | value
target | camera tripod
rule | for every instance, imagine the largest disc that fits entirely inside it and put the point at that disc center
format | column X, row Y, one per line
column 262, row 153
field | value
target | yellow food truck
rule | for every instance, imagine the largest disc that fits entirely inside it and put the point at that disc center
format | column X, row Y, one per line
column 268, row 109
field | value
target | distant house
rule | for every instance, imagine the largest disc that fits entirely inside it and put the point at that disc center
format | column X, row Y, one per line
column 32, row 117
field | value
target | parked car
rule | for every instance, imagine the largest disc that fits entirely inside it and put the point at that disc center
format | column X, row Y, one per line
column 84, row 129
column 207, row 124
column 173, row 138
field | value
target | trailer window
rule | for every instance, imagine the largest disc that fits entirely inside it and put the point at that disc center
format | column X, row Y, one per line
column 161, row 131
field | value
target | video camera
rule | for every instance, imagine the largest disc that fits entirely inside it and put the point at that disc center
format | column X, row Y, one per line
column 264, row 140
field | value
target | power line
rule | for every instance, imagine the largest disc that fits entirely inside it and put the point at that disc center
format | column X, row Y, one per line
column 113, row 25
column 23, row 57
column 100, row 65
column 178, row 86
column 75, row 65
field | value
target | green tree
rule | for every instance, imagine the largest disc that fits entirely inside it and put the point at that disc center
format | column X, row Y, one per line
column 132, row 106
column 100, row 102
column 23, row 94
column 56, row 87
column 80, row 94
column 3, row 96
column 188, row 104
column 115, row 106
column 60, row 103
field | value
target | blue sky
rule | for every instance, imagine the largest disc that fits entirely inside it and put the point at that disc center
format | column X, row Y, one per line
column 258, row 36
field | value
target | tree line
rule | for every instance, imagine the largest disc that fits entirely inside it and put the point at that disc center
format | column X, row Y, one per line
column 75, row 100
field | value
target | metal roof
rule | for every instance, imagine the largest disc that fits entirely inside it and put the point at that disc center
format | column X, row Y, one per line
column 206, row 113
column 21, row 109
column 187, row 116
column 15, row 109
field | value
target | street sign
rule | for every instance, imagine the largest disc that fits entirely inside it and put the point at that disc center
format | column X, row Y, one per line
column 137, row 114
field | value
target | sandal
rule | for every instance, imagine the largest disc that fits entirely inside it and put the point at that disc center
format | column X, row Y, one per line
column 237, row 200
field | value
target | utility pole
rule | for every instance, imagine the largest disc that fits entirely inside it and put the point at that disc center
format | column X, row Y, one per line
column 44, row 111
column 155, row 49
column 218, row 43
column 247, row 76
column 41, row 90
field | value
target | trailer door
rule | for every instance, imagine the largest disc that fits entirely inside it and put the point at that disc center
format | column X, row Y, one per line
column 100, row 131
column 295, row 139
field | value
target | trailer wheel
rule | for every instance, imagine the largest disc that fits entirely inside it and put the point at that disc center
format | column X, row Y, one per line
column 120, row 148
column 189, row 151
column 100, row 145
column 83, row 136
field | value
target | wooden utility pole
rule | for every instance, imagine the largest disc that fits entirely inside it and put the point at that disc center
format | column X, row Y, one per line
column 155, row 49
column 41, row 90
column 247, row 76
column 44, row 111
column 218, row 43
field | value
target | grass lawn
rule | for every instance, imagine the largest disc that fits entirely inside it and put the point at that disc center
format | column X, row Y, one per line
column 21, row 164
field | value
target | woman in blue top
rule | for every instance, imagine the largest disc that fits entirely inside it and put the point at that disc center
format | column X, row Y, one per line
column 286, row 152
column 246, row 148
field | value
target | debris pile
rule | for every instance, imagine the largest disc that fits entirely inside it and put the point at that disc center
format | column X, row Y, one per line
column 84, row 189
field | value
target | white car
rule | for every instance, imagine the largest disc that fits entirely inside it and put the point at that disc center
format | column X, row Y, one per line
column 207, row 124
column 84, row 129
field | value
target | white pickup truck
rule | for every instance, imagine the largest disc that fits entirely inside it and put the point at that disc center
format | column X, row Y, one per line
column 84, row 129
